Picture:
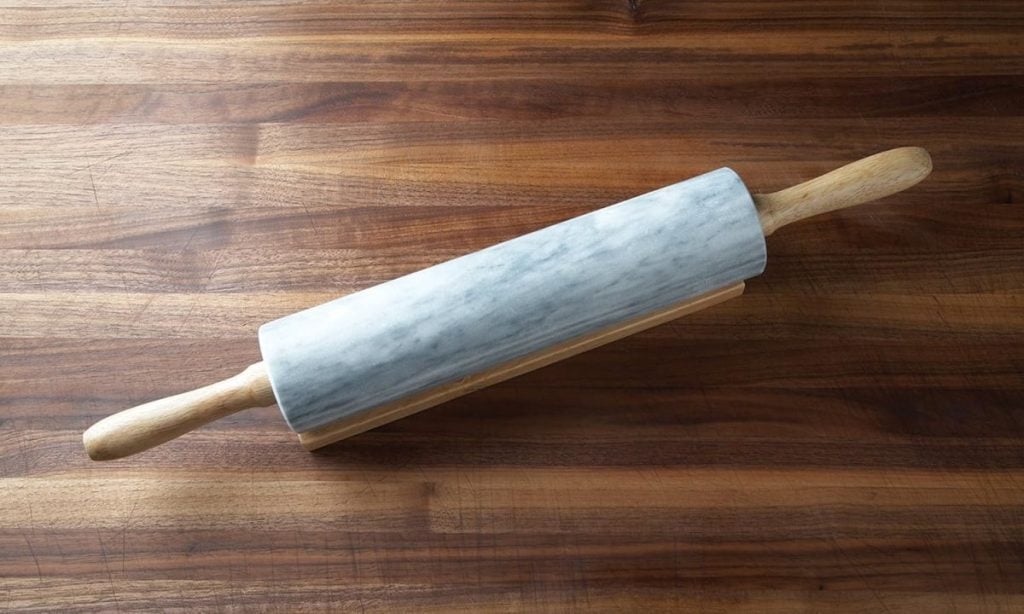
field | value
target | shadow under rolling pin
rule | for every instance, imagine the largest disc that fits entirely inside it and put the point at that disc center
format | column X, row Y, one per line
column 392, row 350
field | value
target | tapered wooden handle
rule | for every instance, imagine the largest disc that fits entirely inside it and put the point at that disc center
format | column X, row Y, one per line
column 144, row 426
column 862, row 181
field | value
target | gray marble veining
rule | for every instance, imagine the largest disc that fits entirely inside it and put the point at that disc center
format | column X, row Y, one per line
column 473, row 313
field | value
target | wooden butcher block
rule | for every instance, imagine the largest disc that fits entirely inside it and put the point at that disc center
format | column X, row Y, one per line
column 846, row 436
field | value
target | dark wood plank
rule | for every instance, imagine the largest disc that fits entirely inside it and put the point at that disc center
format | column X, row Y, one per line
column 357, row 102
column 847, row 436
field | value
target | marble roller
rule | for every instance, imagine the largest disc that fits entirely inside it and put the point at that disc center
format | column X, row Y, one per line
column 386, row 352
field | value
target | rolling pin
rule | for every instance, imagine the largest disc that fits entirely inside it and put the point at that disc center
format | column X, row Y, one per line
column 386, row 352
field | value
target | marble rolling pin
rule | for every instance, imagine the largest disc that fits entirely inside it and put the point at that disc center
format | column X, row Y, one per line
column 391, row 350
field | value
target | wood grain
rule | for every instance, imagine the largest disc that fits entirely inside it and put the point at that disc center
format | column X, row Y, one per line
column 847, row 436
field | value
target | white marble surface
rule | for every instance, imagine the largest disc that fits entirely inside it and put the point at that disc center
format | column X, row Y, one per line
column 481, row 310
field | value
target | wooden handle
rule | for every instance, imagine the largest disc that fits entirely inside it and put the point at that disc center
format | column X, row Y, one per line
column 862, row 181
column 144, row 426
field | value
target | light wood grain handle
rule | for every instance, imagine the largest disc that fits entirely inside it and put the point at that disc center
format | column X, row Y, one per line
column 151, row 424
column 862, row 181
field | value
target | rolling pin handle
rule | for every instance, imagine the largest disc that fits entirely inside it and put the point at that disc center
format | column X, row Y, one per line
column 151, row 424
column 874, row 177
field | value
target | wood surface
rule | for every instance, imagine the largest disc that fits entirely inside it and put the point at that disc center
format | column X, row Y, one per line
column 846, row 436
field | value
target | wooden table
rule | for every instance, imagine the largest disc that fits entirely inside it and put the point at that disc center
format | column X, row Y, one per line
column 845, row 437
